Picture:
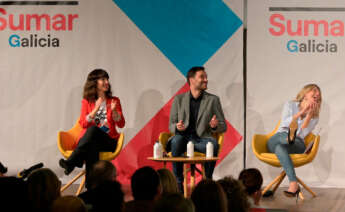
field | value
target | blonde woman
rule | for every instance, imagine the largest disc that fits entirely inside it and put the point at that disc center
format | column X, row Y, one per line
column 299, row 118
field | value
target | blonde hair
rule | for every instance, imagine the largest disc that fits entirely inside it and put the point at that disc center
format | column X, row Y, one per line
column 168, row 181
column 307, row 88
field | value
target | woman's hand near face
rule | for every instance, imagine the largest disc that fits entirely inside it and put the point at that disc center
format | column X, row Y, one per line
column 306, row 108
column 313, row 108
column 98, row 103
column 115, row 114
column 97, row 106
column 113, row 105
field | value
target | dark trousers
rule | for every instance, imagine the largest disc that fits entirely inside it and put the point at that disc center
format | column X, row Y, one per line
column 178, row 146
column 94, row 141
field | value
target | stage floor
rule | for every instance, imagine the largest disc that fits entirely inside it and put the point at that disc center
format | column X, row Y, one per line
column 327, row 200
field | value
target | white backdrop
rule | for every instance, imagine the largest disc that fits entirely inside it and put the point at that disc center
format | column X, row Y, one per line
column 276, row 73
column 41, row 87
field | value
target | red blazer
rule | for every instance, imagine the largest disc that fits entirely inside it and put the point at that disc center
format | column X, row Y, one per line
column 87, row 107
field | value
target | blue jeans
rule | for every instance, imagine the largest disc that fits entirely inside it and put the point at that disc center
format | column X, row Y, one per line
column 279, row 145
column 178, row 146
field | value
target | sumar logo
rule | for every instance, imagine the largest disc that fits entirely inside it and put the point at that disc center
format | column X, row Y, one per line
column 319, row 33
column 21, row 23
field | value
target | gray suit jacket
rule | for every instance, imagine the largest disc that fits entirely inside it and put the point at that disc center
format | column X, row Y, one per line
column 209, row 106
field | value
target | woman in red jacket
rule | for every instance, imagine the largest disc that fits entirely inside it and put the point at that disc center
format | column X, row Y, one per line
column 100, row 114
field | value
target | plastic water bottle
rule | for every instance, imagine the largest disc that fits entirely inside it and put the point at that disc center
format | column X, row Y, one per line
column 190, row 149
column 209, row 150
column 157, row 150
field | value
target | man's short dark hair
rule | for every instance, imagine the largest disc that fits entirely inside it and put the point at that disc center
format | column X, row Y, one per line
column 191, row 73
column 100, row 172
column 145, row 183
column 251, row 179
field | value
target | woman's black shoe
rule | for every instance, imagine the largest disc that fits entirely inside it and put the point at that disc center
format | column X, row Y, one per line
column 293, row 194
column 291, row 136
column 64, row 165
column 292, row 132
column 3, row 169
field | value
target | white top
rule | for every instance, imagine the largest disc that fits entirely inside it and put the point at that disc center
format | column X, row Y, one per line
column 101, row 115
column 290, row 109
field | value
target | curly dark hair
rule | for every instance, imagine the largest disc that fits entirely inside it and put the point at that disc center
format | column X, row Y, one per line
column 235, row 193
column 90, row 87
column 251, row 179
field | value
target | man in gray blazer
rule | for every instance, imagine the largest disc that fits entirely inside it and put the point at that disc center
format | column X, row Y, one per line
column 194, row 116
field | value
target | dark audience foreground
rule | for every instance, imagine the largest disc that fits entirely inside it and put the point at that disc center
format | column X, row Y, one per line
column 105, row 196
column 252, row 181
column 173, row 202
column 235, row 193
column 43, row 187
column 208, row 196
column 146, row 188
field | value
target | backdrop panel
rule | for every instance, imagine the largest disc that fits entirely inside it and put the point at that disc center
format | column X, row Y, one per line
column 147, row 50
column 290, row 44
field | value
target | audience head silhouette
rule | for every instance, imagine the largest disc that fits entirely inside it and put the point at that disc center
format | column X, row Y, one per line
column 145, row 184
column 173, row 202
column 100, row 172
column 235, row 193
column 168, row 181
column 43, row 188
column 68, row 204
column 208, row 195
column 13, row 190
column 252, row 181
column 106, row 195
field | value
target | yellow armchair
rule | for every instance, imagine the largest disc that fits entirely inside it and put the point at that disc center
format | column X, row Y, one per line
column 66, row 142
column 259, row 146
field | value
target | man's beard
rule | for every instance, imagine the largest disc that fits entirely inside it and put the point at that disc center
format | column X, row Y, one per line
column 201, row 87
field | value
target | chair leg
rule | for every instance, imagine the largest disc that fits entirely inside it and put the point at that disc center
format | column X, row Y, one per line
column 185, row 180
column 306, row 187
column 276, row 180
column 192, row 177
column 278, row 183
column 72, row 181
column 192, row 169
column 203, row 171
column 301, row 196
column 198, row 170
column 81, row 186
